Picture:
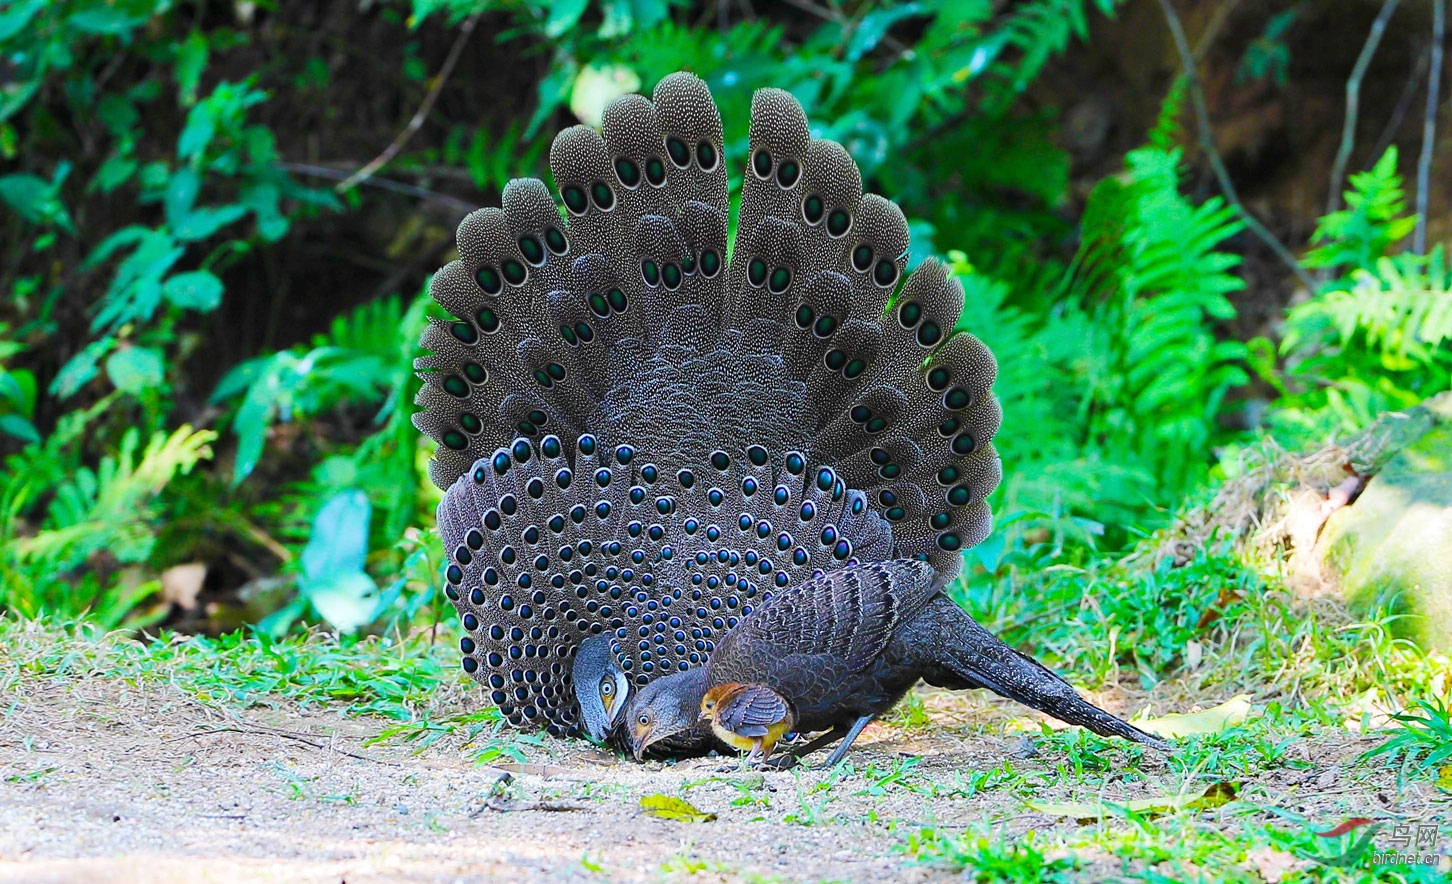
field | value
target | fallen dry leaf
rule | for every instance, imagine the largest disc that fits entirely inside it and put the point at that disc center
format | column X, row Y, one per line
column 547, row 771
column 181, row 584
column 1213, row 795
column 1208, row 721
column 1272, row 865
column 669, row 807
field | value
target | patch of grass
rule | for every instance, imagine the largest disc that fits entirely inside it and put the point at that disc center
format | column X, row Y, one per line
column 1248, row 749
column 899, row 775
column 1422, row 744
column 910, row 714
column 369, row 676
column 1212, row 624
column 986, row 858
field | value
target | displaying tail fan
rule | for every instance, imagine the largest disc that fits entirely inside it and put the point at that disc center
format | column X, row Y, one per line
column 642, row 439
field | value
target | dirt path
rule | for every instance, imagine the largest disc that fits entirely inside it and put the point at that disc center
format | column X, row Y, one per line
column 102, row 782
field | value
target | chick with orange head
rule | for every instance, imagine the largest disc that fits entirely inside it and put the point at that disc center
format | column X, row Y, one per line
column 748, row 717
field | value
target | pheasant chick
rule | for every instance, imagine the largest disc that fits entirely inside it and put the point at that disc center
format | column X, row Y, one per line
column 748, row 717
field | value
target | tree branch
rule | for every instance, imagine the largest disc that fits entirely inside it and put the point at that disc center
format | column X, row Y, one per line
column 1353, row 100
column 380, row 183
column 420, row 115
column 1429, row 124
column 1207, row 144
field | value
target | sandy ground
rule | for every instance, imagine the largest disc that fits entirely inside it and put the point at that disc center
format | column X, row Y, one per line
column 103, row 782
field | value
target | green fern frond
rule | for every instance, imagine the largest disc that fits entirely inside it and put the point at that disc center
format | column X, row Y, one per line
column 1371, row 225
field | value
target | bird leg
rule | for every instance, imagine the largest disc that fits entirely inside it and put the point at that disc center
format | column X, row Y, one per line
column 796, row 753
column 847, row 741
column 754, row 756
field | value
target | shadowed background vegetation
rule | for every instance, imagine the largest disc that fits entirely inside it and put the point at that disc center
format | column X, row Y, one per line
column 220, row 217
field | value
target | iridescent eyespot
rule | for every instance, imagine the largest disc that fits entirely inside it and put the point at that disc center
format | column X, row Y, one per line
column 488, row 279
column 706, row 156
column 679, row 153
column 575, row 199
column 532, row 249
column 627, row 172
column 603, row 196
column 787, row 174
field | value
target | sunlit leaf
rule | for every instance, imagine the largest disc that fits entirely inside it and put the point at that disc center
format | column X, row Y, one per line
column 198, row 290
column 874, row 26
column 1211, row 796
column 333, row 579
column 136, row 370
column 669, row 807
column 596, row 87
column 191, row 60
column 1209, row 721
column 563, row 16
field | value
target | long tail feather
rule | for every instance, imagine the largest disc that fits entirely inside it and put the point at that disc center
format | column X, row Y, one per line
column 977, row 655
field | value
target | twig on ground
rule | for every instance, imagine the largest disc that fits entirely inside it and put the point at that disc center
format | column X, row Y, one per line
column 1207, row 144
column 1353, row 100
column 420, row 115
column 1429, row 124
column 263, row 732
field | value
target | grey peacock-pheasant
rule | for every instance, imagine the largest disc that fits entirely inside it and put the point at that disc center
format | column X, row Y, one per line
column 642, row 441
column 834, row 652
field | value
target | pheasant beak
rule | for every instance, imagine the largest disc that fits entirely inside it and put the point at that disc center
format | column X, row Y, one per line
column 640, row 740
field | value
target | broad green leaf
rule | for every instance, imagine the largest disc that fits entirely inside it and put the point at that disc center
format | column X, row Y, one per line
column 81, row 368
column 181, row 194
column 19, row 427
column 35, row 199
column 1208, row 721
column 14, row 17
column 669, row 807
column 136, row 370
column 198, row 290
column 135, row 292
column 333, row 579
column 11, row 391
column 563, row 16
column 1209, row 797
column 191, row 60
column 201, row 125
column 202, row 223
column 106, row 20
column 113, row 173
column 15, row 95
column 874, row 26
column 339, row 539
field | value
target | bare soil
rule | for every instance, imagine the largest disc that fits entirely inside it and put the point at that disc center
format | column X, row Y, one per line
column 101, row 781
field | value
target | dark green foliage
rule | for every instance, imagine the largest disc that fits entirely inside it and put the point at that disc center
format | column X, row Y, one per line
column 1374, row 338
column 153, row 199
column 1154, row 614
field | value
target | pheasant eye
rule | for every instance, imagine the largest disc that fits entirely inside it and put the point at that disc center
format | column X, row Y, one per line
column 644, row 719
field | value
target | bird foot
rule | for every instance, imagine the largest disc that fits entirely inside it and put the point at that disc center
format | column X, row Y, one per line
column 781, row 762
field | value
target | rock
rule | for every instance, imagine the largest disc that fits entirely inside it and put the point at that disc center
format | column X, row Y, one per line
column 1391, row 551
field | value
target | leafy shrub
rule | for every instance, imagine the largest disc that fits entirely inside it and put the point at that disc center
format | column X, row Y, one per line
column 1374, row 338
